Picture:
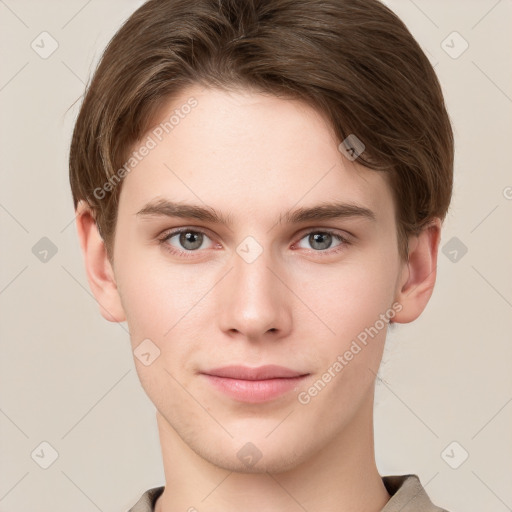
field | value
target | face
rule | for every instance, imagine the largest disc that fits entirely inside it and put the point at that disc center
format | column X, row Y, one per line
column 259, row 285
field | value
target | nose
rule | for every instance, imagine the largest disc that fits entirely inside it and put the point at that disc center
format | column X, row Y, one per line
column 255, row 301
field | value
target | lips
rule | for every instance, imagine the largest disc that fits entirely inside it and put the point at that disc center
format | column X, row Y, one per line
column 261, row 373
column 254, row 385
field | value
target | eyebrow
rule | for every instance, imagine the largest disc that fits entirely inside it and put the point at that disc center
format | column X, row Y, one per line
column 323, row 211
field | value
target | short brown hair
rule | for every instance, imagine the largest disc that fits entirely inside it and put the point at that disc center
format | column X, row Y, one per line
column 354, row 61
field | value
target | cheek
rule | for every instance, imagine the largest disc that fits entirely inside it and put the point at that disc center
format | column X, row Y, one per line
column 350, row 301
column 161, row 307
column 167, row 303
column 151, row 292
column 155, row 300
column 349, row 358
column 346, row 298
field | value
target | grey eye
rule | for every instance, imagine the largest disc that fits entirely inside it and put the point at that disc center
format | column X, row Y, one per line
column 188, row 239
column 321, row 240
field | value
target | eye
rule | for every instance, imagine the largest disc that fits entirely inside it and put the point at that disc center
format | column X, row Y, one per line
column 320, row 241
column 185, row 240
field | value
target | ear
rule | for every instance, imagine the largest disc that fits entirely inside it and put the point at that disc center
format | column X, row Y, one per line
column 100, row 273
column 418, row 276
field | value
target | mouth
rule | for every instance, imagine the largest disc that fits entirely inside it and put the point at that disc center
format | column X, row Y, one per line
column 254, row 385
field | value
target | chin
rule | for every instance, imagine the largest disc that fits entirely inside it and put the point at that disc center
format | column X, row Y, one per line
column 252, row 458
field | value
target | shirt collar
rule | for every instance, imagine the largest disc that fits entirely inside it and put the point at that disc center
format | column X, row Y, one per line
column 407, row 495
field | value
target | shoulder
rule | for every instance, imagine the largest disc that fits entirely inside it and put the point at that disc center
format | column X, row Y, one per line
column 147, row 501
column 407, row 495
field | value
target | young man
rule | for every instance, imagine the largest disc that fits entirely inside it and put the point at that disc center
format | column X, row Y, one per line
column 259, row 187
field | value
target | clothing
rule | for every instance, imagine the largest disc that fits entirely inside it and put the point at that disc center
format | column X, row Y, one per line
column 407, row 495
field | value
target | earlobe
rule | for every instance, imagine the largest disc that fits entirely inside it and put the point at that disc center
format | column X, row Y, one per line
column 418, row 275
column 100, row 273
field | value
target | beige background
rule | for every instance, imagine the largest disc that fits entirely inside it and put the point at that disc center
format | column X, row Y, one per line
column 67, row 376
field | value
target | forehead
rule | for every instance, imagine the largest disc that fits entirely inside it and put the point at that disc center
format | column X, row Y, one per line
column 247, row 152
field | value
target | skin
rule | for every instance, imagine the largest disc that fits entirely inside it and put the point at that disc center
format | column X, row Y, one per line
column 254, row 157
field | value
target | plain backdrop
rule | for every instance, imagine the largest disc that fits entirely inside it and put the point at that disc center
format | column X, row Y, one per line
column 444, row 393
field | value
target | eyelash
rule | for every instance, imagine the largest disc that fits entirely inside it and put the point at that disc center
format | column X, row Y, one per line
column 190, row 254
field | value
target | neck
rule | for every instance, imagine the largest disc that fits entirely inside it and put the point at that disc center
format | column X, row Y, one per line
column 340, row 477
